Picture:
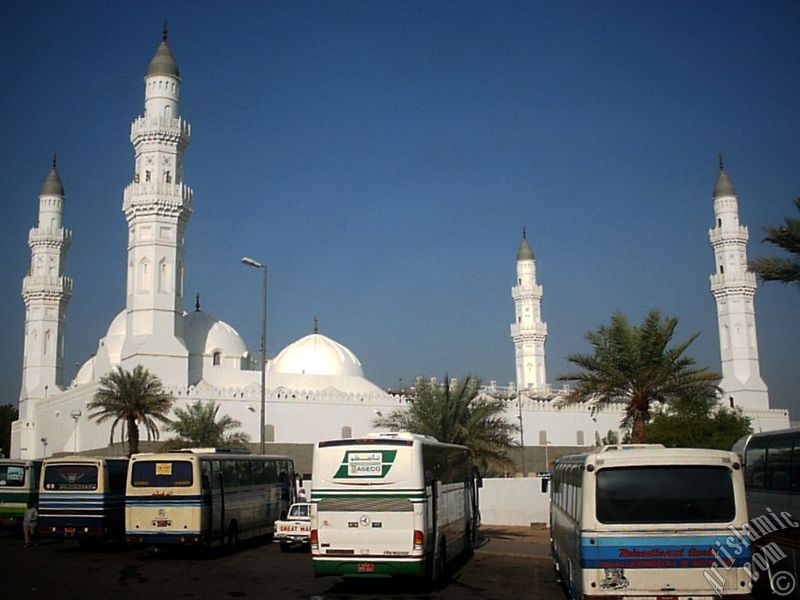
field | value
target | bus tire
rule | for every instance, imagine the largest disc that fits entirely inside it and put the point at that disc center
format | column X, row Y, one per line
column 469, row 545
column 233, row 537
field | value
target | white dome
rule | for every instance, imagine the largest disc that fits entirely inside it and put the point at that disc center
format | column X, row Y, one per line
column 203, row 334
column 316, row 354
column 115, row 338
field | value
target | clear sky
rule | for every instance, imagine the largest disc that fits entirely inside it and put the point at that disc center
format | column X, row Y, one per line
column 383, row 157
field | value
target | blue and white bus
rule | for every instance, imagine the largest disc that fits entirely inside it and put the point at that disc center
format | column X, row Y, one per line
column 83, row 497
column 649, row 522
column 206, row 496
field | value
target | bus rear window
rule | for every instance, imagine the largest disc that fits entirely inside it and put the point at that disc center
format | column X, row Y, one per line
column 12, row 475
column 70, row 478
column 668, row 494
column 162, row 473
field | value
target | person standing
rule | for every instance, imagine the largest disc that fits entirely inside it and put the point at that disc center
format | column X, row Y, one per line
column 29, row 522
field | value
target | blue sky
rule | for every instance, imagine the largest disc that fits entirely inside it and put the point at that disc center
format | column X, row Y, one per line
column 383, row 158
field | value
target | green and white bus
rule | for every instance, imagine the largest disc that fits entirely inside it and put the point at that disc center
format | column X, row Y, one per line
column 19, row 483
column 205, row 496
column 391, row 504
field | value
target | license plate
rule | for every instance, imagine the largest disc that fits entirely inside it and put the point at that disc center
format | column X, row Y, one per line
column 161, row 523
column 366, row 568
column 666, row 598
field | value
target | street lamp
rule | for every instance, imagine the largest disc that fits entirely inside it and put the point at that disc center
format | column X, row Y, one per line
column 521, row 431
column 44, row 444
column 257, row 265
column 75, row 414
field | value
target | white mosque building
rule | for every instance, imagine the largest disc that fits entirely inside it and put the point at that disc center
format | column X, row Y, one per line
column 316, row 387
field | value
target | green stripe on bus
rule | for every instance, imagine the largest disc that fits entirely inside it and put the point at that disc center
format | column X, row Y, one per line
column 318, row 496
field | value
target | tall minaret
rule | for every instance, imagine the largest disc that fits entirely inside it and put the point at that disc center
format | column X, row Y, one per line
column 46, row 292
column 733, row 287
column 529, row 332
column 157, row 206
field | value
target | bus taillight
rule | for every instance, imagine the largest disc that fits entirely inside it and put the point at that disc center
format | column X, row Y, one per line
column 419, row 539
column 314, row 539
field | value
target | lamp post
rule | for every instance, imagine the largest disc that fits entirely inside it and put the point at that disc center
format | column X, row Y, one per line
column 44, row 444
column 257, row 265
column 75, row 414
column 521, row 432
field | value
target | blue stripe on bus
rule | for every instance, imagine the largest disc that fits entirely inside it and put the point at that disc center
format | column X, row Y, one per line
column 663, row 552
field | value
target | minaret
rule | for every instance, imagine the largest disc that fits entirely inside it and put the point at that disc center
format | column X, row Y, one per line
column 157, row 206
column 529, row 332
column 733, row 287
column 46, row 292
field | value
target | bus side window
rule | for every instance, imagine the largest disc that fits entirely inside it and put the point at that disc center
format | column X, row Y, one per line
column 779, row 464
column 216, row 471
column 272, row 471
column 756, row 464
column 796, row 464
column 205, row 474
column 259, row 472
column 229, row 474
column 244, row 472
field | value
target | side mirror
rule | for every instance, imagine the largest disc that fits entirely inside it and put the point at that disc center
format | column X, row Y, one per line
column 545, row 485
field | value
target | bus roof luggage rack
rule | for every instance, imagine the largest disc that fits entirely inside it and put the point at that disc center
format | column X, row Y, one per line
column 213, row 450
column 610, row 447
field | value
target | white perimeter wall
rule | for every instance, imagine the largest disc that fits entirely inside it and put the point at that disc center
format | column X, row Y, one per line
column 518, row 501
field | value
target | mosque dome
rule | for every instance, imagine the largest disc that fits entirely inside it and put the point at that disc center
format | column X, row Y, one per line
column 115, row 338
column 204, row 334
column 316, row 354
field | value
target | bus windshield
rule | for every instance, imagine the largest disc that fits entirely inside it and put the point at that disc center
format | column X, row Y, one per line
column 665, row 494
column 72, row 478
column 162, row 473
column 12, row 475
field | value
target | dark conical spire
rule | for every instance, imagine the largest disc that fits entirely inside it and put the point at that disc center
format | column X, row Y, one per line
column 723, row 187
column 52, row 184
column 163, row 62
column 524, row 252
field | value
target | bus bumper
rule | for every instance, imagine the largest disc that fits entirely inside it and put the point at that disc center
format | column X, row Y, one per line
column 369, row 568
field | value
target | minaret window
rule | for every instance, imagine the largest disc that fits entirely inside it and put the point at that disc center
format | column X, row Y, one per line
column 347, row 432
column 719, row 222
column 147, row 175
column 721, row 269
column 136, row 178
column 217, row 358
column 167, row 177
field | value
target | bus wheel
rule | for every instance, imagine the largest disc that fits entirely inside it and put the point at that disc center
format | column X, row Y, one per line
column 233, row 537
column 469, row 548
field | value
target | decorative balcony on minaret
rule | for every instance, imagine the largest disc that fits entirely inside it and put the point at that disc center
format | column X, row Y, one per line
column 528, row 332
column 733, row 287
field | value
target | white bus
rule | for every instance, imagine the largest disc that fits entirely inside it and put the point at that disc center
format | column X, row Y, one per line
column 205, row 496
column 649, row 521
column 83, row 497
column 19, row 484
column 391, row 504
column 772, row 483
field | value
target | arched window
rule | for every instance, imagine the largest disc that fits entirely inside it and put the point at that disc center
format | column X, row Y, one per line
column 216, row 358
column 269, row 433
column 580, row 438
column 347, row 432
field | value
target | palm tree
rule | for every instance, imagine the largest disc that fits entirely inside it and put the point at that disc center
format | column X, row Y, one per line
column 458, row 413
column 132, row 398
column 197, row 427
column 636, row 365
column 787, row 237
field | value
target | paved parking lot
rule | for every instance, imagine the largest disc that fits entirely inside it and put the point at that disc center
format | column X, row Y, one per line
column 504, row 568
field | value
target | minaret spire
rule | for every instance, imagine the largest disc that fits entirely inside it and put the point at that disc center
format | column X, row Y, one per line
column 529, row 332
column 733, row 287
column 164, row 32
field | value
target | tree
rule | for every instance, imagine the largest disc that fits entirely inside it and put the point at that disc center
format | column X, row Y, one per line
column 458, row 413
column 197, row 427
column 786, row 237
column 637, row 366
column 8, row 414
column 698, row 423
column 131, row 398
